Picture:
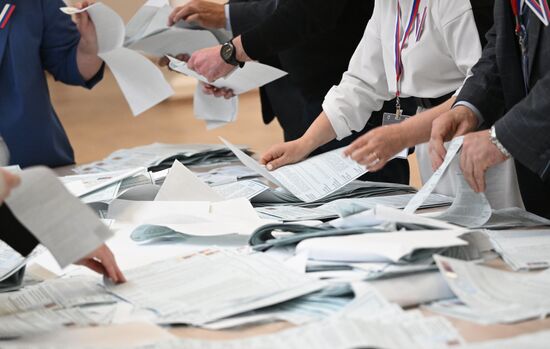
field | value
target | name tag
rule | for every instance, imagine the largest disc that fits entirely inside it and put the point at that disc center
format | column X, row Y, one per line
column 392, row 118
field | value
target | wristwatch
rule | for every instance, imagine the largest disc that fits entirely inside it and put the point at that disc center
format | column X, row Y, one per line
column 229, row 54
column 496, row 142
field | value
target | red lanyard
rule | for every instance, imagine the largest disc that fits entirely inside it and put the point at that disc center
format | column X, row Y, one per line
column 400, row 41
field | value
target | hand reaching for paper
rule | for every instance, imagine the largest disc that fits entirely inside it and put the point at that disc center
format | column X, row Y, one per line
column 375, row 148
column 456, row 122
column 103, row 262
column 284, row 154
column 88, row 61
column 207, row 14
column 8, row 181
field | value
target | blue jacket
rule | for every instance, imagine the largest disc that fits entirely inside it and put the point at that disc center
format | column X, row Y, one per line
column 37, row 38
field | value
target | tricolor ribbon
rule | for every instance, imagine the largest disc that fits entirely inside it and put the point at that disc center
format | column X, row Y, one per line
column 401, row 39
column 540, row 8
column 5, row 15
column 420, row 24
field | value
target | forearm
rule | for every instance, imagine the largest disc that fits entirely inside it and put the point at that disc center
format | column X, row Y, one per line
column 319, row 133
column 88, row 64
column 417, row 130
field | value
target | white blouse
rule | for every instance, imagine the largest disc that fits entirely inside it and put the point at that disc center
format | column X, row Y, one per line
column 433, row 66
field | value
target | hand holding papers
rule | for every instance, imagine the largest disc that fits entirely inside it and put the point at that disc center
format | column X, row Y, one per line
column 140, row 80
column 311, row 179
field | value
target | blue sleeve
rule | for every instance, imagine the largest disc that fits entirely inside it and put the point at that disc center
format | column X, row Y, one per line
column 58, row 49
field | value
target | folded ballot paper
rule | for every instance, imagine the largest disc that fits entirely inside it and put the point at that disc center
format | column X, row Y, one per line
column 222, row 284
column 522, row 249
column 487, row 295
column 141, row 81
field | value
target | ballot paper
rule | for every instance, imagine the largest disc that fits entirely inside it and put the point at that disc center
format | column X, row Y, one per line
column 241, row 80
column 141, row 81
column 346, row 207
column 522, row 249
column 378, row 247
column 430, row 185
column 469, row 209
column 487, row 295
column 81, row 185
column 195, row 218
column 398, row 332
column 215, row 111
column 182, row 185
column 514, row 217
column 296, row 213
column 311, row 179
column 10, row 261
column 157, row 154
column 241, row 189
column 62, row 223
column 224, row 283
column 55, row 294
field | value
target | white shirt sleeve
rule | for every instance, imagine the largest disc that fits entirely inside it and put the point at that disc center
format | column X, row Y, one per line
column 363, row 88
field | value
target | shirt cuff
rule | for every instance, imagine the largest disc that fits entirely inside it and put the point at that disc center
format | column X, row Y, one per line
column 337, row 121
column 227, row 18
column 472, row 108
column 96, row 78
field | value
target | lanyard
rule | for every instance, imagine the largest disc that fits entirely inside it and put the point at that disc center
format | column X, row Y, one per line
column 400, row 41
column 521, row 34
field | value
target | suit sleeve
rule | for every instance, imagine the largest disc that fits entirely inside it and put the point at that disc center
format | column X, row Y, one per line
column 245, row 15
column 483, row 88
column 58, row 49
column 14, row 233
column 524, row 129
column 293, row 22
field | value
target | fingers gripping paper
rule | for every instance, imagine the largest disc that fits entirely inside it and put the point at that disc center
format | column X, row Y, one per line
column 60, row 221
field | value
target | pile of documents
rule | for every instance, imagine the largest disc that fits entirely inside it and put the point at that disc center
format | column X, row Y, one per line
column 487, row 295
column 158, row 156
column 523, row 249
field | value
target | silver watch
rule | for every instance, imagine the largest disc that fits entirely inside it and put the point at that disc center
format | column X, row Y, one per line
column 496, row 142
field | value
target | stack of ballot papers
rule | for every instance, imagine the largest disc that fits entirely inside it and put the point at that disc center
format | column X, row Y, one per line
column 159, row 156
column 53, row 304
column 487, row 295
column 221, row 284
column 522, row 249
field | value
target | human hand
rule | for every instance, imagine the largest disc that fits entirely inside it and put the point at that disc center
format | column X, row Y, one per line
column 226, row 93
column 164, row 61
column 8, row 181
column 209, row 63
column 378, row 146
column 88, row 38
column 285, row 153
column 456, row 122
column 103, row 262
column 204, row 13
column 477, row 156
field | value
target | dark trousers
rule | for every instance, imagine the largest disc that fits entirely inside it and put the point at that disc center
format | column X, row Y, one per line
column 534, row 192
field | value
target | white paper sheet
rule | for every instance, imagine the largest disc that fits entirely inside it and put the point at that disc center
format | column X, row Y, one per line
column 215, row 111
column 523, row 249
column 92, row 182
column 242, row 189
column 63, row 224
column 182, row 185
column 311, row 179
column 251, row 76
column 223, row 284
column 430, row 185
column 490, row 295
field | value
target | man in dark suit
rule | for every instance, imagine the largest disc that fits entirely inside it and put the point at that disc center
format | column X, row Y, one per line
column 296, row 100
column 509, row 92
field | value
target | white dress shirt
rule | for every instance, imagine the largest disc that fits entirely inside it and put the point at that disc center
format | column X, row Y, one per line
column 434, row 65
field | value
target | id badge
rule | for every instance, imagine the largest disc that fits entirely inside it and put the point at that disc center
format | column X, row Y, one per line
column 392, row 118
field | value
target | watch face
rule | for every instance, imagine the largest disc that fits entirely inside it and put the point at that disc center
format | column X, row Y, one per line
column 227, row 51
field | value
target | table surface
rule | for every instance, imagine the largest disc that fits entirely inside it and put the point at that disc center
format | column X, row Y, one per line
column 470, row 331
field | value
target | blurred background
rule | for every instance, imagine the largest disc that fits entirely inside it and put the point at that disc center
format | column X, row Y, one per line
column 99, row 121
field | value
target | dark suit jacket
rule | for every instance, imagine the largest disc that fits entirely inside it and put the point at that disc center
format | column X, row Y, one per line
column 14, row 233
column 497, row 90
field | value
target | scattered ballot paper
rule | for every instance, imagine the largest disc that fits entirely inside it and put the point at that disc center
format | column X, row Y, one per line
column 141, row 81
column 311, row 179
column 522, row 249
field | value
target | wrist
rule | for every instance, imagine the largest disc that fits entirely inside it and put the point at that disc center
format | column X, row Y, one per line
column 468, row 115
column 240, row 53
